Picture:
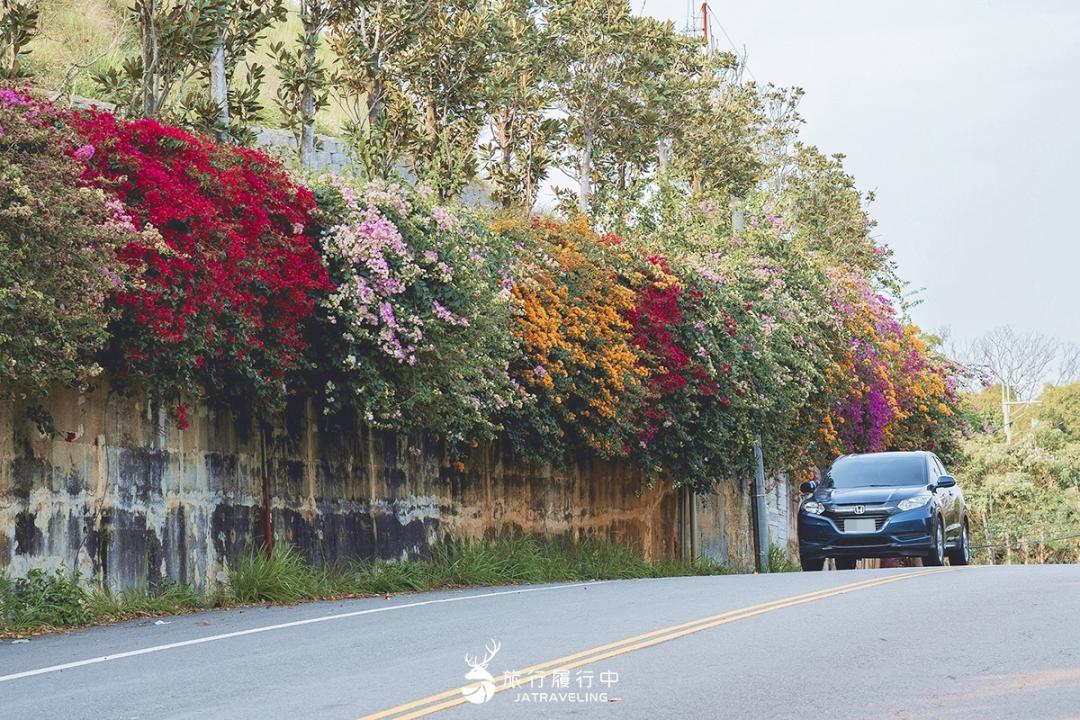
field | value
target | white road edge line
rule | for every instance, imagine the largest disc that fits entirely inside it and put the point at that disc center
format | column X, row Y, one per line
column 281, row 626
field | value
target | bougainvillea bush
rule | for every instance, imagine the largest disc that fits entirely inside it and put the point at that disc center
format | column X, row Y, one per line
column 818, row 360
column 216, row 309
column 579, row 368
column 202, row 271
column 898, row 394
column 684, row 428
column 58, row 244
column 416, row 331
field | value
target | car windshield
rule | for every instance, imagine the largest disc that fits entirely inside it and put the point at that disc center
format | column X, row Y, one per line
column 877, row 471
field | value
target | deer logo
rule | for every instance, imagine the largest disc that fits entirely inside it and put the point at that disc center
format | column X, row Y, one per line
column 483, row 686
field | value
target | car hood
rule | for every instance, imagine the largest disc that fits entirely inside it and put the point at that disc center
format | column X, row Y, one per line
column 868, row 495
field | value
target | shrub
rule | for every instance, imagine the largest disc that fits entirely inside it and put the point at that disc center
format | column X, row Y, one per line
column 58, row 244
column 416, row 330
column 579, row 368
column 42, row 598
column 899, row 394
column 218, row 306
column 780, row 561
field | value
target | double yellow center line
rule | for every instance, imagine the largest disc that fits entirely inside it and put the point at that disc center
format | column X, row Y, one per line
column 450, row 698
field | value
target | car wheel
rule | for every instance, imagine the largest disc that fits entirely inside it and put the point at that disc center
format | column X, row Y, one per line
column 936, row 556
column 812, row 564
column 961, row 554
column 846, row 563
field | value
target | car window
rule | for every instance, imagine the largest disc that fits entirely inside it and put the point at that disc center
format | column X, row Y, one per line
column 878, row 470
column 941, row 466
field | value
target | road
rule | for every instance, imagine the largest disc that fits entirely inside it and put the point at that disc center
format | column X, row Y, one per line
column 978, row 642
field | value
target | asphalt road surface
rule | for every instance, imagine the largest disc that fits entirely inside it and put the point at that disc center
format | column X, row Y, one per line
column 978, row 642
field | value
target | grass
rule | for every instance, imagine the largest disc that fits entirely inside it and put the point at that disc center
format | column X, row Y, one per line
column 42, row 602
column 780, row 561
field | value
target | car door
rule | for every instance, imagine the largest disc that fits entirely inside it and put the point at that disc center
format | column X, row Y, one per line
column 950, row 509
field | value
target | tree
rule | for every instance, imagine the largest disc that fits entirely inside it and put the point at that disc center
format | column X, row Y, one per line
column 18, row 26
column 305, row 79
column 369, row 37
column 1069, row 367
column 1018, row 361
column 524, row 136
column 595, row 46
column 715, row 147
column 828, row 213
column 1060, row 409
column 229, row 108
column 444, row 78
column 651, row 110
column 189, row 52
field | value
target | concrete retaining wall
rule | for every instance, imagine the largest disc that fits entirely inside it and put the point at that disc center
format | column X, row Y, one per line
column 127, row 497
column 725, row 529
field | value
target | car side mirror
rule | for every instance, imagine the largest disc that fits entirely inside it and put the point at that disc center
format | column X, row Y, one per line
column 808, row 486
column 946, row 481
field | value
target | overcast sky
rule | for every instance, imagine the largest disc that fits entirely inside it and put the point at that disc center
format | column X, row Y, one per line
column 964, row 117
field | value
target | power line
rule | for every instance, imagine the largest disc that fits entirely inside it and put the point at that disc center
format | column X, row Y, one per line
column 734, row 47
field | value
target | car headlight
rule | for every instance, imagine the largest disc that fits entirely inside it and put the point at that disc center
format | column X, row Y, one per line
column 812, row 507
column 915, row 501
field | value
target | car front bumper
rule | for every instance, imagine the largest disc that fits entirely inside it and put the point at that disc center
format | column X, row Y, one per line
column 904, row 534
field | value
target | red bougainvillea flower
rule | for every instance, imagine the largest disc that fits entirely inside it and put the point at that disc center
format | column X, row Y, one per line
column 220, row 301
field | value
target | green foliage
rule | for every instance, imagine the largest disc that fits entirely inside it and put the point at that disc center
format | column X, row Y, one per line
column 305, row 80
column 51, row 600
column 445, row 78
column 1022, row 494
column 58, row 245
column 369, row 38
column 18, row 26
column 47, row 599
column 142, row 601
column 283, row 577
column 524, row 138
column 829, row 215
column 715, row 146
column 286, row 578
column 1060, row 410
column 616, row 72
column 169, row 78
column 780, row 561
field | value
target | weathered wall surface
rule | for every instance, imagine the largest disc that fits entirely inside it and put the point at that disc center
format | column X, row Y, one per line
column 725, row 530
column 125, row 496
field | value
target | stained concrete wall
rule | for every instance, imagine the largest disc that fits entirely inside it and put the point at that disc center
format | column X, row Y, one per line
column 127, row 497
column 725, row 530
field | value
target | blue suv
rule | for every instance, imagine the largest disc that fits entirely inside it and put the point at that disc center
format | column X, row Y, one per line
column 878, row 505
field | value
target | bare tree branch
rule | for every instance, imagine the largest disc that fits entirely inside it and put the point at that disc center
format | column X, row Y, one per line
column 1021, row 361
column 1069, row 367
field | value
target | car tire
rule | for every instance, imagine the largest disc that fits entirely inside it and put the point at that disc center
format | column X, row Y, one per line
column 845, row 563
column 936, row 556
column 812, row 564
column 961, row 554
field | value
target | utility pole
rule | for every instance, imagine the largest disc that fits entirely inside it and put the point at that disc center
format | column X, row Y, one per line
column 705, row 23
column 1006, row 409
column 692, row 28
column 761, row 519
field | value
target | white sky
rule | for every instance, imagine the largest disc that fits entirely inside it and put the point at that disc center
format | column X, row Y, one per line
column 964, row 117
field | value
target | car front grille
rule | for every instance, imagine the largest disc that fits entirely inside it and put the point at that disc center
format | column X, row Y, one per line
column 846, row 512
